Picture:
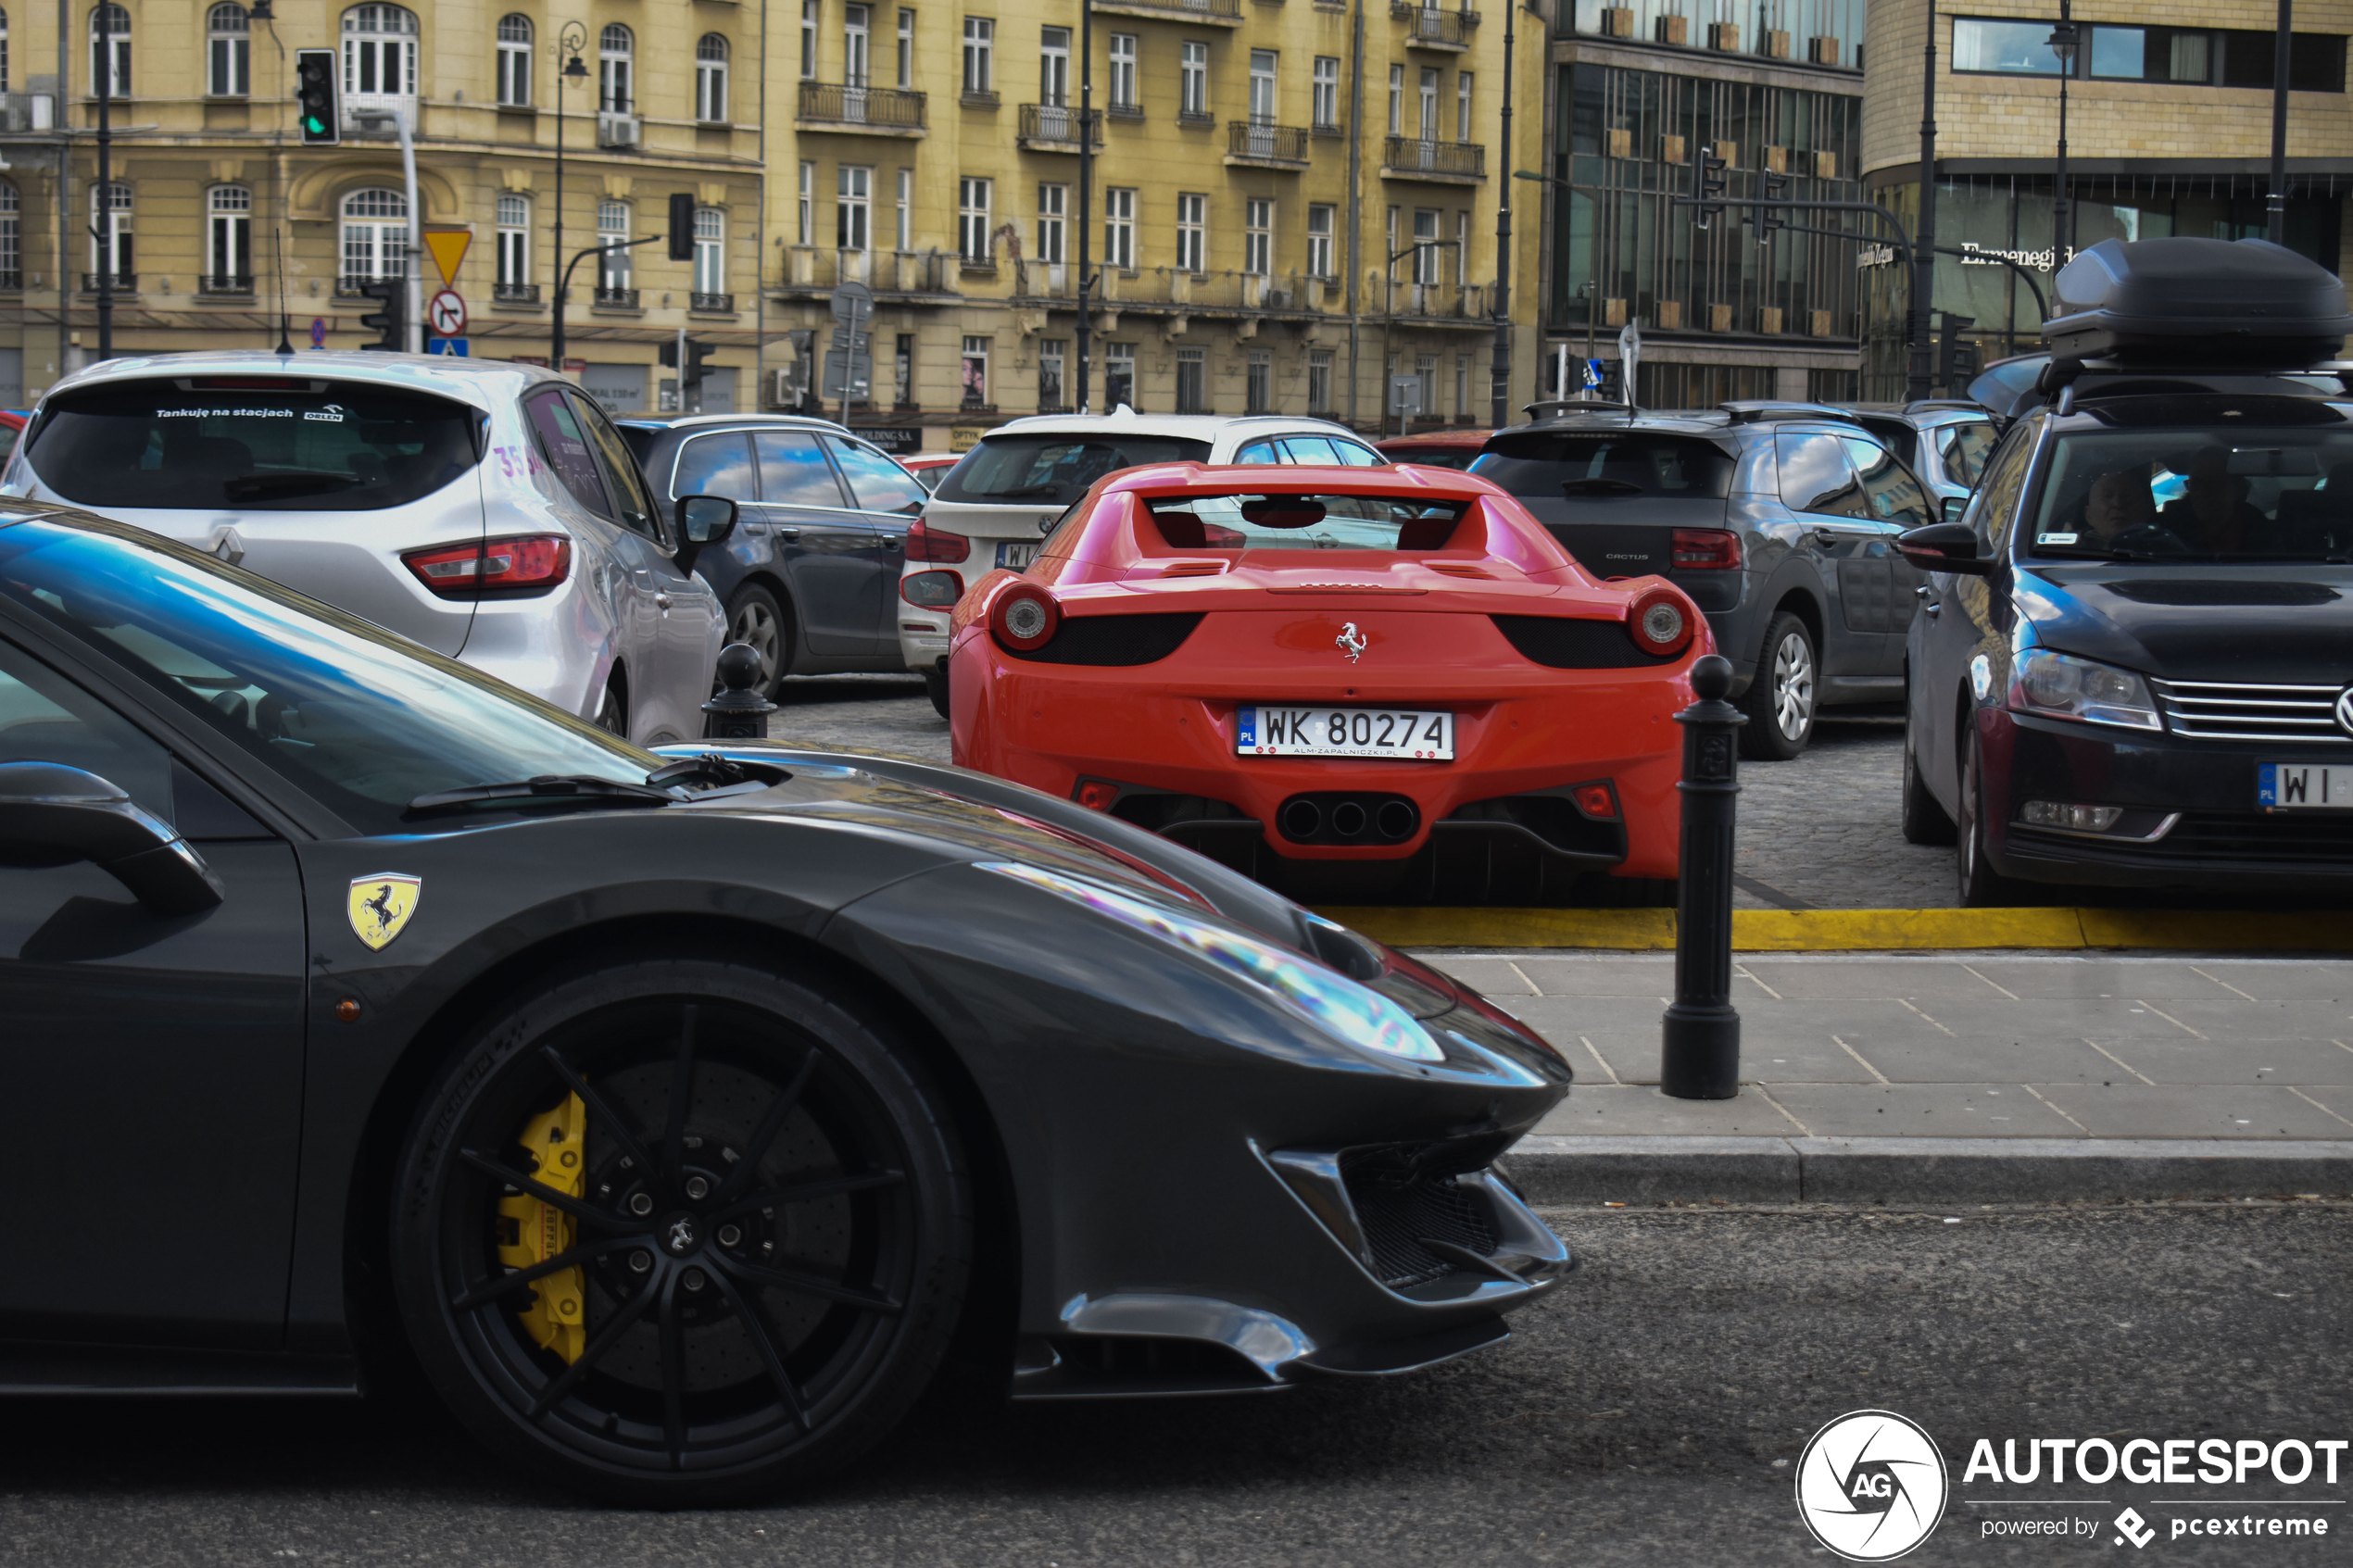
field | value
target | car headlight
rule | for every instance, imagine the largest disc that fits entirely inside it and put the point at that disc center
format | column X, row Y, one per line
column 2059, row 685
column 1354, row 1013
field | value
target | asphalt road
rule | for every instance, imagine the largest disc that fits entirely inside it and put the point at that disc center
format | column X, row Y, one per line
column 1649, row 1412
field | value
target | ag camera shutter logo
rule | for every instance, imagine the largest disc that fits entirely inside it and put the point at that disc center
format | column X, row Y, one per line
column 1871, row 1485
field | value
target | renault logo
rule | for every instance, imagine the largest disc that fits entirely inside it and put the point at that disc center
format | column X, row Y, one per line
column 1351, row 643
column 2345, row 710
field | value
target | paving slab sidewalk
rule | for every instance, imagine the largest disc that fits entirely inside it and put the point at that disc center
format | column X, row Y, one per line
column 1965, row 1077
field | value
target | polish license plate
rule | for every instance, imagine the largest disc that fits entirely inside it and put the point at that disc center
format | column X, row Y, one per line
column 1015, row 555
column 1401, row 733
column 2297, row 786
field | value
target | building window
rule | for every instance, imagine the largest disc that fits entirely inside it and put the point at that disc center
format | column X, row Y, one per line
column 972, row 221
column 1192, row 247
column 1119, row 374
column 3, row 72
column 710, row 251
column 375, row 233
column 1429, row 104
column 1192, row 82
column 906, row 233
column 902, row 372
column 857, row 28
column 612, row 229
column 1428, row 264
column 2006, row 48
column 228, row 53
column 1319, row 381
column 11, row 237
column 1119, row 229
column 1053, row 206
column 616, row 60
column 1053, row 67
column 1051, row 355
column 1319, row 240
column 1426, row 371
column 1258, row 236
column 1325, row 102
column 809, row 40
column 1262, row 86
column 1462, row 248
column 379, row 53
column 1462, row 105
column 110, row 51
column 1397, row 100
column 980, row 55
column 1123, row 71
column 1462, row 385
column 110, row 219
column 975, row 372
column 227, row 239
column 807, row 210
column 853, row 196
column 514, row 241
column 906, row 53
column 1190, row 390
column 711, row 79
column 514, row 61
column 1257, row 373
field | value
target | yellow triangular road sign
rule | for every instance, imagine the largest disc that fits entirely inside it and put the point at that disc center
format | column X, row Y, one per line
column 449, row 248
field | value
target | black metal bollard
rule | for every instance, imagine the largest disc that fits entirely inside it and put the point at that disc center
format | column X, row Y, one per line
column 737, row 712
column 1700, row 1047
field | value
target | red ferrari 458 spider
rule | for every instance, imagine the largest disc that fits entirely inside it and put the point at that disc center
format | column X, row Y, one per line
column 1354, row 685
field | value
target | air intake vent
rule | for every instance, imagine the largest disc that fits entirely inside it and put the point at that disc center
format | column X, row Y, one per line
column 1461, row 569
column 1194, row 568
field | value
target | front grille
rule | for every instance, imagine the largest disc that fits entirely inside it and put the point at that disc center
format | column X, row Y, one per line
column 1400, row 1199
column 2283, row 839
column 2233, row 710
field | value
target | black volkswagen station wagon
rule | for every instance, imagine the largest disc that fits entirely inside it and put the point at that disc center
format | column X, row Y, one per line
column 2133, row 661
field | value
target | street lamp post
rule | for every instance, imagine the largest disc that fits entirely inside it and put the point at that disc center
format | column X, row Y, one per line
column 2066, row 38
column 568, row 43
column 1924, row 252
column 2275, row 203
column 1389, row 316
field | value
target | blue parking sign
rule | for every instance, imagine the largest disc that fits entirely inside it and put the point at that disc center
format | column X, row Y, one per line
column 456, row 345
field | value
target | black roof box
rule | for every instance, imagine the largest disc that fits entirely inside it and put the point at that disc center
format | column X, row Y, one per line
column 2186, row 301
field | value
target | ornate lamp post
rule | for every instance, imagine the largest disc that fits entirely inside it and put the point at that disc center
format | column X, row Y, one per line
column 568, row 43
column 2066, row 38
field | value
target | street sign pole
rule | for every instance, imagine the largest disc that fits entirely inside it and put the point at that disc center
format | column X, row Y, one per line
column 854, row 306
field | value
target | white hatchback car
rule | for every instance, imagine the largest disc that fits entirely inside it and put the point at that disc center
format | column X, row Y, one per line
column 1001, row 498
column 483, row 508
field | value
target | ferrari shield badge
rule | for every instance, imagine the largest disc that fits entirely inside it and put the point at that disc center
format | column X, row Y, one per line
column 380, row 906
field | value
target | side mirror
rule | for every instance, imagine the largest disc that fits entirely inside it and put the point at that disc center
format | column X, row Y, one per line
column 703, row 520
column 1953, row 506
column 53, row 815
column 1944, row 546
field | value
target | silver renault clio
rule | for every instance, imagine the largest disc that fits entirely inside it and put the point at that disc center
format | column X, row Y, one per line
column 485, row 508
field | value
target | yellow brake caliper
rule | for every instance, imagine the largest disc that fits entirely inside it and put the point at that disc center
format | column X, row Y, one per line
column 531, row 1232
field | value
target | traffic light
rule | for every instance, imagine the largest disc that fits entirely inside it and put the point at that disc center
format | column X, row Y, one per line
column 1708, row 185
column 682, row 226
column 1956, row 358
column 698, row 359
column 1772, row 187
column 387, row 320
column 315, row 104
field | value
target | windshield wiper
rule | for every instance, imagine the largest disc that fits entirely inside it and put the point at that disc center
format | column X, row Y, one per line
column 547, row 789
column 721, row 771
column 1052, row 492
column 1575, row 487
column 262, row 486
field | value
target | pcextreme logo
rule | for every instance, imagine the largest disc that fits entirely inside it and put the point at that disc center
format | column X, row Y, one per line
column 1870, row 1485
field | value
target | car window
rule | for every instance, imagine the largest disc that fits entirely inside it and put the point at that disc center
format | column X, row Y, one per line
column 361, row 719
column 2201, row 483
column 1304, row 522
column 1817, row 476
column 565, row 446
column 252, row 444
column 1056, row 470
column 1611, row 462
column 877, row 483
column 1356, row 455
column 1264, row 452
column 1995, row 507
column 1964, row 447
column 1309, row 449
column 1890, row 493
column 715, row 465
column 46, row 719
column 793, row 470
column 627, row 486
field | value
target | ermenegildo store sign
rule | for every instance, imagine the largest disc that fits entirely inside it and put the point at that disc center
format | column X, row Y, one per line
column 1872, row 1486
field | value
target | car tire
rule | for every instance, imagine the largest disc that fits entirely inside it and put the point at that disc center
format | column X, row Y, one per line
column 755, row 618
column 613, row 710
column 1980, row 886
column 1924, row 822
column 1781, row 697
column 936, row 686
column 704, row 1347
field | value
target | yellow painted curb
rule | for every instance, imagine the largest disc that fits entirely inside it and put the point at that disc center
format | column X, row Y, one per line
column 1768, row 931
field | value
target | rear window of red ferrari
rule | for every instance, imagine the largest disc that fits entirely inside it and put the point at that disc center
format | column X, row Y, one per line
column 1247, row 520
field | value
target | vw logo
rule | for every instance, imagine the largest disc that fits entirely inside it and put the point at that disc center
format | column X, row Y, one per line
column 679, row 1235
column 1351, row 643
column 1871, row 1485
column 2345, row 710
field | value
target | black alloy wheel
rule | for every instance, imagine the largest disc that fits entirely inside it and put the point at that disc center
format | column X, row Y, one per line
column 755, row 618
column 936, row 686
column 682, row 1233
column 1780, row 697
column 1980, row 886
column 1924, row 822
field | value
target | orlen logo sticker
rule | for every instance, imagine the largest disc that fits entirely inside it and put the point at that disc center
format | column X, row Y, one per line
column 1870, row 1485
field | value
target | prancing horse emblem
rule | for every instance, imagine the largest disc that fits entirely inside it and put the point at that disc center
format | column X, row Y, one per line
column 682, row 1233
column 378, row 906
column 1350, row 642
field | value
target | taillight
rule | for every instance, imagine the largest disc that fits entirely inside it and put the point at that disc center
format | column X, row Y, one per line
column 532, row 563
column 932, row 543
column 933, row 590
column 1024, row 617
column 1660, row 622
column 1595, row 800
column 1706, row 550
column 1096, row 795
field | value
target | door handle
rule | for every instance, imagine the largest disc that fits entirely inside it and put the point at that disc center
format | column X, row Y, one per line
column 788, row 534
column 1827, row 535
column 662, row 600
column 1928, row 606
column 893, row 542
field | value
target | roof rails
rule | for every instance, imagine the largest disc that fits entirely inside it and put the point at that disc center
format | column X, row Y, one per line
column 1551, row 408
column 1759, row 411
column 1931, row 404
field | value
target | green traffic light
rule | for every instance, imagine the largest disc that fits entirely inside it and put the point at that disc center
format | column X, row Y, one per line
column 313, row 125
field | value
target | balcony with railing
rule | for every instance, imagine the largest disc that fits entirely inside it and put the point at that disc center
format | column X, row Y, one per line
column 711, row 303
column 1053, row 128
column 1436, row 303
column 1253, row 144
column 1210, row 13
column 355, row 286
column 233, row 283
column 860, row 111
column 11, row 282
column 614, row 299
column 121, row 282
column 1443, row 163
column 514, row 294
column 1431, row 27
column 811, row 273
